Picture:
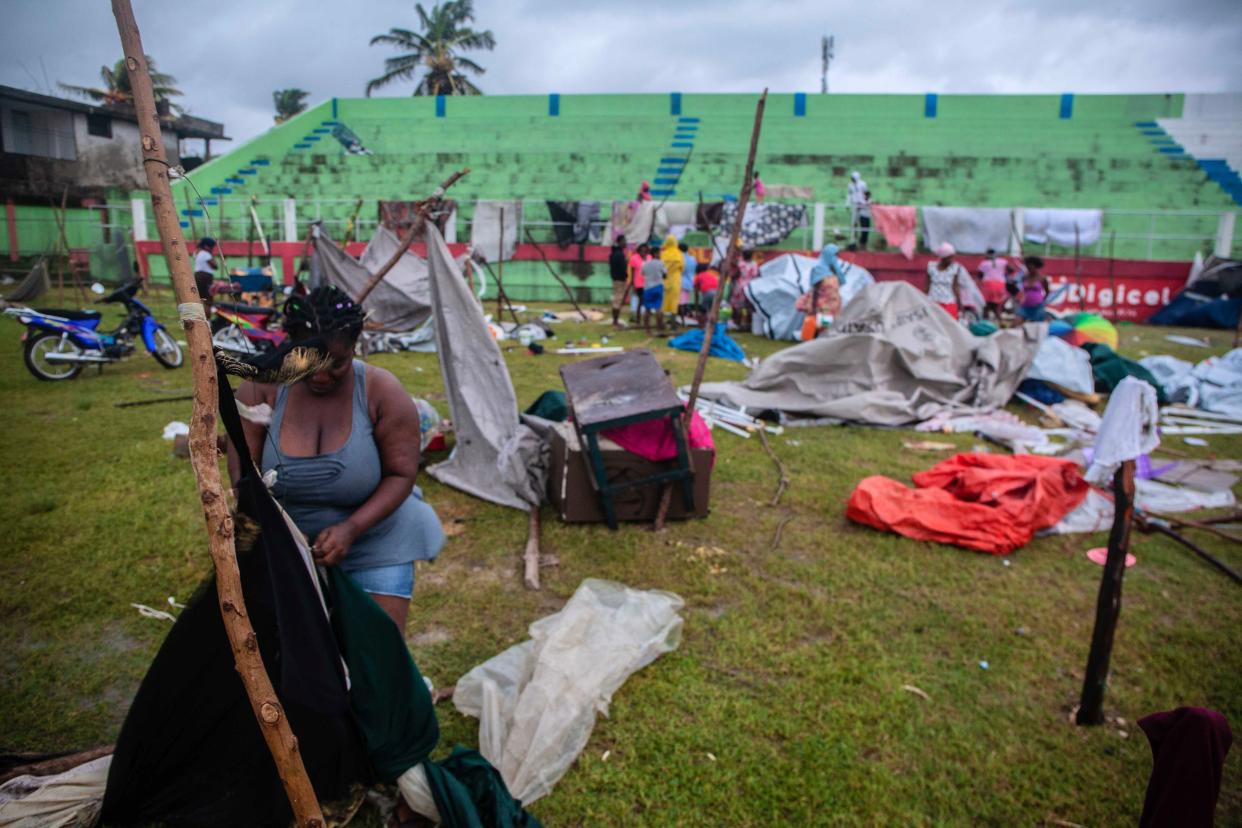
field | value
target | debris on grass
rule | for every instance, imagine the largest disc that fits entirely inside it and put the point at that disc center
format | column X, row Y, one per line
column 927, row 445
column 148, row 612
column 910, row 688
column 709, row 555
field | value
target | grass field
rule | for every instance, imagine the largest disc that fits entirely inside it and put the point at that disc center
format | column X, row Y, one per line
column 784, row 703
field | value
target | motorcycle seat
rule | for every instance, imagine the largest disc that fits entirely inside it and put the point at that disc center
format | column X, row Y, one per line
column 71, row 315
column 253, row 310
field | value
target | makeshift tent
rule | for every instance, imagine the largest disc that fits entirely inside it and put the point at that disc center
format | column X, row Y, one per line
column 986, row 502
column 1212, row 299
column 495, row 456
column 892, row 357
column 781, row 281
column 400, row 303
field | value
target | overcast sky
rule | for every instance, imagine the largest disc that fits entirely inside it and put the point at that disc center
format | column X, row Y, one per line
column 228, row 55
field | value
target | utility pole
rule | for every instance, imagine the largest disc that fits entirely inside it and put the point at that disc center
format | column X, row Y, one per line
column 826, row 56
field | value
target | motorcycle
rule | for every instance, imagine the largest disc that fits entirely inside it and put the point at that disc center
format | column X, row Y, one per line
column 58, row 343
column 245, row 329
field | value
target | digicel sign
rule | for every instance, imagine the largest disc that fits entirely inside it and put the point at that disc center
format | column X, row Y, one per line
column 1135, row 300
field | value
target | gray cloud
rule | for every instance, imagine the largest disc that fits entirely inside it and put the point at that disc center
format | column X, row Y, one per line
column 230, row 54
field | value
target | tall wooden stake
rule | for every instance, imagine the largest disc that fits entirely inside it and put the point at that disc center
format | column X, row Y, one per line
column 1108, row 604
column 555, row 275
column 408, row 239
column 500, row 266
column 266, row 706
column 730, row 261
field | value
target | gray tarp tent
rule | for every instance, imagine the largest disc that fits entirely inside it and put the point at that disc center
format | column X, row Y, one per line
column 402, row 302
column 495, row 456
column 893, row 358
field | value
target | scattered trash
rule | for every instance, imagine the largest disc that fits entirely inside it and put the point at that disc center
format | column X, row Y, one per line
column 172, row 602
column 1099, row 555
column 604, row 758
column 1005, row 562
column 927, row 445
column 148, row 612
column 1022, row 631
column 711, row 756
column 1195, row 441
column 598, row 349
column 910, row 688
column 1189, row 340
column 174, row 428
column 983, row 665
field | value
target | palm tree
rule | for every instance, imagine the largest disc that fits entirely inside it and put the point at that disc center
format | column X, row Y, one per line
column 289, row 102
column 435, row 50
column 116, row 91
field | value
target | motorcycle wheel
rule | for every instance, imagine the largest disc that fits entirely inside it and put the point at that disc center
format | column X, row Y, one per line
column 42, row 344
column 167, row 352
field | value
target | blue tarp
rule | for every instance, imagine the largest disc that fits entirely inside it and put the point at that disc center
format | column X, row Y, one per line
column 722, row 345
column 1192, row 310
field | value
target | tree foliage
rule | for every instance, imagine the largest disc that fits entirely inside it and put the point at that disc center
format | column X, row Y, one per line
column 435, row 51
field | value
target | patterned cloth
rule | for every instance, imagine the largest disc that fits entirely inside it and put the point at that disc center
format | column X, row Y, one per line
column 941, row 290
column 763, row 223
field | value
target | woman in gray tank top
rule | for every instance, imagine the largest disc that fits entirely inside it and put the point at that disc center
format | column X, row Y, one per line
column 344, row 444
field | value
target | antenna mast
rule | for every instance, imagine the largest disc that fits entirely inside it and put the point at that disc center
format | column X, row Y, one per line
column 826, row 56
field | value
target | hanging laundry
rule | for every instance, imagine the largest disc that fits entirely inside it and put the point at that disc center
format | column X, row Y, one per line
column 707, row 215
column 564, row 216
column 1063, row 227
column 968, row 229
column 762, row 224
column 899, row 226
column 1128, row 429
column 632, row 219
column 672, row 215
column 986, row 502
column 586, row 223
column 486, row 234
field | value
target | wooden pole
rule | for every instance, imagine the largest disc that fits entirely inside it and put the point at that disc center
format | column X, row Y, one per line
column 267, row 708
column 555, row 275
column 530, row 557
column 1082, row 294
column 409, row 236
column 730, row 261
column 500, row 265
column 500, row 289
column 1112, row 276
column 1108, row 603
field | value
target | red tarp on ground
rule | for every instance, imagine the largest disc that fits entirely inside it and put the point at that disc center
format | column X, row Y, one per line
column 987, row 502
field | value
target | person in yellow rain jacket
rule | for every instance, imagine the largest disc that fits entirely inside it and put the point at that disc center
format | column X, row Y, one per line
column 674, row 264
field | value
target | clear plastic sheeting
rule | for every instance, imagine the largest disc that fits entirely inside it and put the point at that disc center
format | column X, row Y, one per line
column 536, row 702
column 1064, row 365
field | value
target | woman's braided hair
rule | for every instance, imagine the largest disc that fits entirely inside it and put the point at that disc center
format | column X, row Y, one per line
column 326, row 312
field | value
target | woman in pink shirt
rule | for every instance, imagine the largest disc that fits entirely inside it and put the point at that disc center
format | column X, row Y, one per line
column 760, row 190
column 993, row 275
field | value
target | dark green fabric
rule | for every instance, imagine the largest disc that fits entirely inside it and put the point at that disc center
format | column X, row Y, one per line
column 397, row 718
column 551, row 405
column 469, row 793
column 388, row 695
column 983, row 328
column 1110, row 368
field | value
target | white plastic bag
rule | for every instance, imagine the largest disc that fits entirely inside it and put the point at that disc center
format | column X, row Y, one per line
column 536, row 702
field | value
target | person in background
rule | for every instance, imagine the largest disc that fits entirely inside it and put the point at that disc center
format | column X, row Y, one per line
column 654, row 277
column 618, row 269
column 644, row 192
column 674, row 264
column 945, row 277
column 858, row 197
column 686, row 300
column 1034, row 291
column 706, row 283
column 827, row 277
column 205, row 269
column 993, row 277
column 344, row 444
column 760, row 190
column 747, row 271
column 636, row 279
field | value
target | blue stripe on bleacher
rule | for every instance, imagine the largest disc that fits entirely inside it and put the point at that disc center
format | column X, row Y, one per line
column 668, row 171
column 301, row 146
column 321, row 130
column 311, row 137
column 689, row 119
column 221, row 190
column 673, row 159
column 261, row 162
column 664, row 181
column 247, row 171
column 661, row 193
column 1146, row 124
column 681, row 145
column 1173, row 150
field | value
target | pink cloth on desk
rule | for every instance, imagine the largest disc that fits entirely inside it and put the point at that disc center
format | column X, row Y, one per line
column 653, row 439
column 898, row 224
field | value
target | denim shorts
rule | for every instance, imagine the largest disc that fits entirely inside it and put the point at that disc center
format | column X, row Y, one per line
column 396, row 580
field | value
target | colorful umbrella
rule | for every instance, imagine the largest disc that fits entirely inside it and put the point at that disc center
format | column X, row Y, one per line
column 1080, row 328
